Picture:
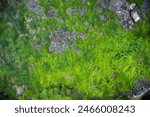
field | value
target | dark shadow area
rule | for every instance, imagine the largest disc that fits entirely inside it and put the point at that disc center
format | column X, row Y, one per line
column 146, row 96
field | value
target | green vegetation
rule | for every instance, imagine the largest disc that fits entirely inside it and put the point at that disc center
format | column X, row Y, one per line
column 108, row 61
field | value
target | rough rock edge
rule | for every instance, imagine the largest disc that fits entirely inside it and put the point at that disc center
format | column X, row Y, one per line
column 141, row 91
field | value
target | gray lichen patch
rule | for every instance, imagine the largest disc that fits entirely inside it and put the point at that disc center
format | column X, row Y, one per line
column 60, row 40
column 73, row 11
column 33, row 6
column 52, row 12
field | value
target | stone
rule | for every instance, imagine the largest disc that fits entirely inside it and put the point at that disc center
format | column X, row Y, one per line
column 60, row 40
column 141, row 84
column 141, row 89
column 135, row 16
column 134, row 12
column 32, row 4
column 145, row 7
column 73, row 11
column 128, row 14
column 19, row 90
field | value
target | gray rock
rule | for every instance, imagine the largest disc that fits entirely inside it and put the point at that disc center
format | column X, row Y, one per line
column 145, row 7
column 73, row 11
column 52, row 12
column 60, row 40
column 32, row 4
column 144, row 95
column 141, row 89
column 128, row 14
column 19, row 90
column 141, row 84
column 84, row 1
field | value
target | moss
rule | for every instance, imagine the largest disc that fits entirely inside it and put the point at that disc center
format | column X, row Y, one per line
column 101, row 64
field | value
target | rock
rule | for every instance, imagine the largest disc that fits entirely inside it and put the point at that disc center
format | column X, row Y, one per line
column 84, row 1
column 60, row 40
column 134, row 13
column 141, row 89
column 19, row 90
column 141, row 84
column 52, row 12
column 145, row 95
column 73, row 11
column 106, row 2
column 135, row 16
column 128, row 14
column 32, row 4
column 145, row 7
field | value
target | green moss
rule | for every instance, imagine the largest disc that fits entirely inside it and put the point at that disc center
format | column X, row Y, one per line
column 107, row 62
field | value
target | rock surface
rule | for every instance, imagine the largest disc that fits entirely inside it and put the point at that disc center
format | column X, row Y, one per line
column 60, row 40
column 141, row 90
column 128, row 14
column 32, row 4
column 146, row 7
